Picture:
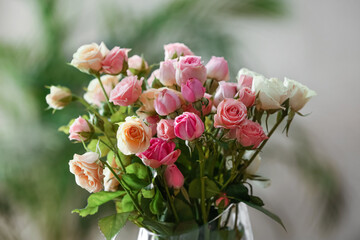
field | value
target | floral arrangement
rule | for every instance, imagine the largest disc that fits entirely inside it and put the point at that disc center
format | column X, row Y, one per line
column 174, row 148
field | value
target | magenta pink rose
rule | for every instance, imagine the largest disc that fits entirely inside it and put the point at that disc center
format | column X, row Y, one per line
column 174, row 177
column 159, row 153
column 217, row 69
column 175, row 50
column 225, row 90
column 166, row 102
column 192, row 90
column 230, row 114
column 190, row 67
column 153, row 121
column 250, row 133
column 154, row 75
column 245, row 81
column 222, row 202
column 127, row 91
column 114, row 60
column 165, row 129
column 188, row 126
column 167, row 72
column 80, row 130
column 246, row 96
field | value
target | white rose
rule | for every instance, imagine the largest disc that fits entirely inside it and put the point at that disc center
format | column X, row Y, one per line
column 58, row 97
column 245, row 71
column 271, row 92
column 88, row 57
column 298, row 94
column 94, row 94
column 255, row 164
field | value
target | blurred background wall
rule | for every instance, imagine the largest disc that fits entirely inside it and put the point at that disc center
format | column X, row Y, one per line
column 314, row 172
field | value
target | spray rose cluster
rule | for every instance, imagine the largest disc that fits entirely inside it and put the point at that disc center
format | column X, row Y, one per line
column 180, row 135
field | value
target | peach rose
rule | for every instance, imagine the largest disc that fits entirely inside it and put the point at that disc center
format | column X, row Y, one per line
column 133, row 136
column 230, row 114
column 110, row 182
column 94, row 94
column 127, row 91
column 88, row 173
column 147, row 99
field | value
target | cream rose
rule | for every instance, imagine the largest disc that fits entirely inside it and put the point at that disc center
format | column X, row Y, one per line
column 271, row 93
column 133, row 136
column 58, row 97
column 147, row 99
column 88, row 173
column 95, row 94
column 88, row 57
column 298, row 94
column 110, row 182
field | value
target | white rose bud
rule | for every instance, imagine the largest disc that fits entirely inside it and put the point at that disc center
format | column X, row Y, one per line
column 271, row 92
column 59, row 97
column 298, row 94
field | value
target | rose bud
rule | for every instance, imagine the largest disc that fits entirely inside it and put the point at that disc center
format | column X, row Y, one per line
column 222, row 202
column 230, row 114
column 87, row 171
column 192, row 90
column 133, row 136
column 165, row 129
column 152, row 121
column 175, row 50
column 115, row 60
column 167, row 72
column 88, row 57
column 110, row 182
column 80, row 130
column 58, row 97
column 246, row 96
column 245, row 81
column 154, row 75
column 147, row 99
column 174, row 177
column 217, row 69
column 206, row 109
column 188, row 126
column 137, row 64
column 94, row 94
column 166, row 102
column 271, row 93
column 190, row 67
column 250, row 133
column 160, row 152
column 225, row 90
column 127, row 91
column 298, row 94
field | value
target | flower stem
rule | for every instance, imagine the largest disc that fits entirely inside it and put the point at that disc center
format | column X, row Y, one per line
column 105, row 94
column 172, row 206
column 202, row 181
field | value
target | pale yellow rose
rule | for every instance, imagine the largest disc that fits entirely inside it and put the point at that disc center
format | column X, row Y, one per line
column 58, row 97
column 95, row 94
column 133, row 136
column 88, row 57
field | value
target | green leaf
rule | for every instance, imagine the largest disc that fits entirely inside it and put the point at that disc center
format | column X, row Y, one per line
column 119, row 116
column 111, row 225
column 140, row 170
column 184, row 210
column 127, row 204
column 266, row 212
column 164, row 228
column 238, row 191
column 148, row 193
column 257, row 201
column 134, row 182
column 95, row 144
column 157, row 204
column 211, row 189
column 95, row 200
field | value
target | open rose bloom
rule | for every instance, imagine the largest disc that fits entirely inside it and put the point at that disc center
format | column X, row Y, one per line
column 175, row 144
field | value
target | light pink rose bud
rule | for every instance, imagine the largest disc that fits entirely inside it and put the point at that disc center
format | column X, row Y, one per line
column 87, row 171
column 245, row 81
column 225, row 90
column 160, row 152
column 188, row 126
column 174, row 177
column 80, row 130
column 222, row 202
column 230, row 114
column 114, row 61
column 165, row 129
column 246, row 96
column 175, row 50
column 166, row 102
column 167, row 72
column 127, row 91
column 136, row 65
column 94, row 94
column 250, row 134
column 153, row 121
column 217, row 68
column 190, row 67
column 192, row 90
column 154, row 75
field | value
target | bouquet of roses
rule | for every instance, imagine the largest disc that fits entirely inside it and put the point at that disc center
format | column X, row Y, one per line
column 174, row 148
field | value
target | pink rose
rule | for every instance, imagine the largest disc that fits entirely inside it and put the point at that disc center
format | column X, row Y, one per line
column 127, row 91
column 245, row 81
column 152, row 121
column 175, row 50
column 246, row 96
column 225, row 90
column 114, row 61
column 190, row 67
column 87, row 171
column 173, row 177
column 166, row 102
column 165, row 129
column 188, row 126
column 217, row 68
column 167, row 72
column 159, row 153
column 230, row 114
column 192, row 90
column 207, row 109
column 138, row 63
column 94, row 94
column 250, row 134
column 154, row 75
column 80, row 130
column 222, row 202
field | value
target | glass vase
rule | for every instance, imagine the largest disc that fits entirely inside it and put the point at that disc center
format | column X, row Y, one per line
column 232, row 224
